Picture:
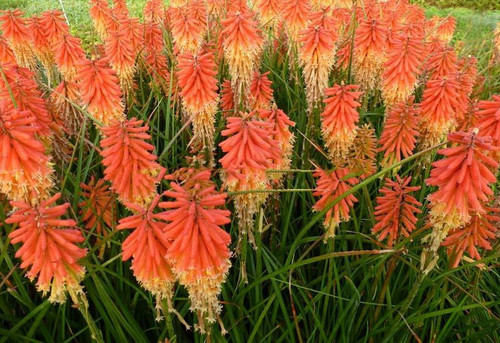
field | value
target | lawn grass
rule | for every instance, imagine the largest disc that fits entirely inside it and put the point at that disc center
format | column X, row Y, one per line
column 300, row 289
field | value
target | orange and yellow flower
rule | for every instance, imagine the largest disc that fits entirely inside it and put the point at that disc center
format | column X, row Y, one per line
column 49, row 246
column 339, row 118
column 131, row 166
column 18, row 37
column 199, row 252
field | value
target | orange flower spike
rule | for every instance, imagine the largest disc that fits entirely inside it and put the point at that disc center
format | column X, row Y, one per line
column 18, row 37
column 295, row 14
column 120, row 9
column 401, row 71
column 199, row 253
column 227, row 98
column 480, row 232
column 400, row 132
column 446, row 28
column 316, row 55
column 443, row 62
column 153, row 38
column 121, row 56
column 248, row 143
column 329, row 186
column 6, row 53
column 21, row 85
column 283, row 136
column 488, row 114
column 147, row 245
column 129, row 164
column 370, row 42
column 98, row 210
column 40, row 39
column 438, row 109
column 49, row 247
column 153, row 11
column 198, row 84
column 339, row 118
column 396, row 210
column 65, row 98
column 102, row 17
column 268, row 11
column 261, row 91
column 55, row 25
column 100, row 91
column 463, row 179
column 134, row 32
column 187, row 29
column 25, row 172
column 69, row 55
column 242, row 46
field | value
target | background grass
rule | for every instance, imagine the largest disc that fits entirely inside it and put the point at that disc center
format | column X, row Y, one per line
column 299, row 290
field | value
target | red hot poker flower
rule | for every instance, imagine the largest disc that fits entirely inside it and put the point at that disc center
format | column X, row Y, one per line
column 49, row 246
column 463, row 179
column 330, row 186
column 396, row 210
column 339, row 118
column 130, row 166
column 100, row 91
column 18, row 36
column 401, row 129
column 478, row 233
column 147, row 245
column 200, row 247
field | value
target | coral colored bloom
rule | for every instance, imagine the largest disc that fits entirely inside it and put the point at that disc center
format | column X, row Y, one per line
column 100, row 91
column 446, row 28
column 121, row 56
column 480, row 232
column 65, row 99
column 199, row 252
column 49, row 248
column 370, row 42
column 339, row 118
column 22, row 87
column 396, row 210
column 54, row 24
column 295, row 14
column 6, row 53
column 438, row 109
column 284, row 137
column 130, row 166
column 488, row 119
column 463, row 179
column 316, row 55
column 242, row 46
column 41, row 42
column 197, row 81
column 227, row 98
column 69, row 55
column 102, row 17
column 147, row 245
column 249, row 151
column 120, row 9
column 400, row 132
column 25, row 173
column 442, row 62
column 98, row 210
column 329, row 186
column 187, row 29
column 269, row 11
column 401, row 70
column 153, row 11
column 16, row 32
column 261, row 91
